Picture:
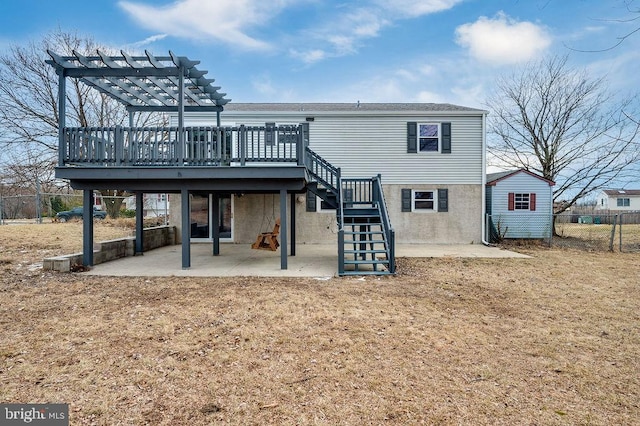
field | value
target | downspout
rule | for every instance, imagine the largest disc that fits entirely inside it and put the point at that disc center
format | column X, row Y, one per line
column 484, row 181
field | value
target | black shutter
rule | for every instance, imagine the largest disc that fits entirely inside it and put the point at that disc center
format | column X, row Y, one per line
column 446, row 137
column 443, row 200
column 412, row 137
column 269, row 134
column 311, row 201
column 406, row 200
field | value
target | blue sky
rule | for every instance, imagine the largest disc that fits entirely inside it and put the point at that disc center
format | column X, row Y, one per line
column 344, row 51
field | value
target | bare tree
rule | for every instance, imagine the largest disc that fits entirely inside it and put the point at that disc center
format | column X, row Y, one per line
column 632, row 9
column 29, row 110
column 557, row 122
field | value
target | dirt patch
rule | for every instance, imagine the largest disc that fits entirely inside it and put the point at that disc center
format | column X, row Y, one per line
column 554, row 339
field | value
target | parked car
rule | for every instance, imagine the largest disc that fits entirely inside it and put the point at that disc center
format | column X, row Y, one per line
column 76, row 213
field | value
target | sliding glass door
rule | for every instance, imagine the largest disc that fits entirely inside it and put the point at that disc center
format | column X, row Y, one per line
column 202, row 217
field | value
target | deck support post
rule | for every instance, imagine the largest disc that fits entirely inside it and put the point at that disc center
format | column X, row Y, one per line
column 283, row 229
column 139, row 224
column 215, row 223
column 62, row 116
column 293, row 223
column 186, row 228
column 87, row 227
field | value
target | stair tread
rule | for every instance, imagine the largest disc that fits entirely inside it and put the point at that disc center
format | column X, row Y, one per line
column 364, row 241
column 363, row 232
column 365, row 262
column 385, row 272
column 365, row 251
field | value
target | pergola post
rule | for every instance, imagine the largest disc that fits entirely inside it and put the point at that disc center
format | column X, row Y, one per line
column 62, row 115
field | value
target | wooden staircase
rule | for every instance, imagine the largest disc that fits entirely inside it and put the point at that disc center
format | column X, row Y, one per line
column 365, row 246
column 366, row 240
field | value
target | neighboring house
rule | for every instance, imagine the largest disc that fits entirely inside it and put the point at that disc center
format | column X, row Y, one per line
column 619, row 200
column 429, row 158
column 154, row 205
column 360, row 175
column 519, row 204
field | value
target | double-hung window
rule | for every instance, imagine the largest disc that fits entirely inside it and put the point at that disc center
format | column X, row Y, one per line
column 623, row 202
column 286, row 133
column 428, row 137
column 423, row 201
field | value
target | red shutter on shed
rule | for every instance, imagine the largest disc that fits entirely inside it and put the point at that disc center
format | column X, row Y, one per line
column 532, row 202
column 512, row 201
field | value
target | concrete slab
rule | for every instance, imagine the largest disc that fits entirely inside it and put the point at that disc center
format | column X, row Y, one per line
column 312, row 260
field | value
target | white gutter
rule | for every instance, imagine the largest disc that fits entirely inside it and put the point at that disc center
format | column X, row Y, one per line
column 484, row 181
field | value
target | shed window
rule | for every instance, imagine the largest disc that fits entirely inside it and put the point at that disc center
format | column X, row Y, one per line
column 623, row 202
column 522, row 201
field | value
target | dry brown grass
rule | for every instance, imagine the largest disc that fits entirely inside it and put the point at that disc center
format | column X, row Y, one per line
column 550, row 340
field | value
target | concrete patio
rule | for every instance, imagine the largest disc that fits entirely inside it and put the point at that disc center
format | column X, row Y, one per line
column 313, row 260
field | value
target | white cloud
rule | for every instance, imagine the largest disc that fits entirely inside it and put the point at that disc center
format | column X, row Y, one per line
column 308, row 56
column 343, row 34
column 147, row 41
column 503, row 40
column 414, row 8
column 222, row 20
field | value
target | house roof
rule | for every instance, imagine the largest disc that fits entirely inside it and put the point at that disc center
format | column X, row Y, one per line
column 143, row 83
column 493, row 178
column 355, row 107
column 623, row 192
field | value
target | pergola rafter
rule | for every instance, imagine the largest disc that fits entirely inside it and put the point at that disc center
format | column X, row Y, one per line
column 144, row 83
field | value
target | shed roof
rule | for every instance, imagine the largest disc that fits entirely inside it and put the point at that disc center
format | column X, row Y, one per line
column 493, row 178
column 144, row 83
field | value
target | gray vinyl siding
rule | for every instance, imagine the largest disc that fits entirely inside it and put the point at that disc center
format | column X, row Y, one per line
column 368, row 144
column 519, row 223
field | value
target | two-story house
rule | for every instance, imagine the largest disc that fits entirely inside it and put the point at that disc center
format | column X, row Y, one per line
column 362, row 175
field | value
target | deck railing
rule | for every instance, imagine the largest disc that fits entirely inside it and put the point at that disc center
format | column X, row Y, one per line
column 189, row 146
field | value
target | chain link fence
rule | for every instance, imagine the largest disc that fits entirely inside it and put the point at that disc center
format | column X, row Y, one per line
column 42, row 207
column 597, row 232
column 612, row 232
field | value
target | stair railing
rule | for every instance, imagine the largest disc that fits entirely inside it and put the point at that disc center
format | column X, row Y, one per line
column 325, row 172
column 378, row 198
column 340, row 220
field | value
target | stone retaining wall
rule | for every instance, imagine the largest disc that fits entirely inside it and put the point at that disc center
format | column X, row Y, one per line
column 106, row 251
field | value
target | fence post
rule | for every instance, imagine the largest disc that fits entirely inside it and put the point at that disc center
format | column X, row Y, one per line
column 613, row 232
column 1, row 212
column 620, row 231
column 38, row 202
